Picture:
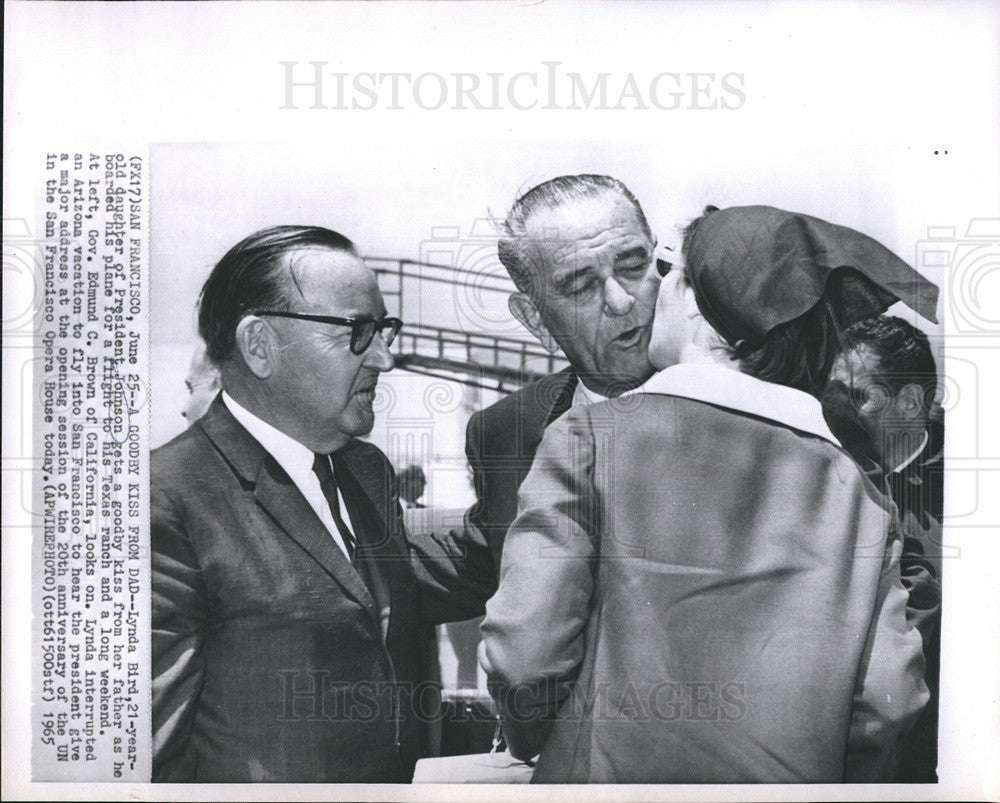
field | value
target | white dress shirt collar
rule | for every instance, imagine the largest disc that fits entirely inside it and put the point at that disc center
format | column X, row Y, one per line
column 297, row 461
column 583, row 395
column 912, row 457
column 727, row 387
column 291, row 455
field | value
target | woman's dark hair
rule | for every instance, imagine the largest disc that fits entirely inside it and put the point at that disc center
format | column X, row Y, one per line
column 688, row 233
column 253, row 276
column 798, row 353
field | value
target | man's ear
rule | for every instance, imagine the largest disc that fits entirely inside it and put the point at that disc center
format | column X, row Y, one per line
column 523, row 308
column 910, row 401
column 256, row 343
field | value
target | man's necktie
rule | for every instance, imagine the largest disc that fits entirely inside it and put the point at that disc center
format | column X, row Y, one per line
column 327, row 482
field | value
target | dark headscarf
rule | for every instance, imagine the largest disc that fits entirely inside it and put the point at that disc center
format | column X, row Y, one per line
column 755, row 267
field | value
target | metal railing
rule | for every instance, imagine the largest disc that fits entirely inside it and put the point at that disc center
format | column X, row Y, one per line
column 481, row 359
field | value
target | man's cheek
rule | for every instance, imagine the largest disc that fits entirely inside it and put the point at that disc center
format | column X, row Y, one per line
column 570, row 326
column 649, row 290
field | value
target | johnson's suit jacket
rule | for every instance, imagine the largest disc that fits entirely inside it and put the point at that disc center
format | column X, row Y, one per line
column 694, row 594
column 272, row 659
column 500, row 444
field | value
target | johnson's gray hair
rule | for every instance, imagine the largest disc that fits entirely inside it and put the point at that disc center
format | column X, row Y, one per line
column 512, row 245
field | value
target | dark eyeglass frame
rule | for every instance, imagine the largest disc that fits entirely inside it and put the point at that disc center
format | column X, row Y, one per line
column 362, row 329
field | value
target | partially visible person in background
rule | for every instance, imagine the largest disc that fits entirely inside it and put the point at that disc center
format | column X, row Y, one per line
column 203, row 384
column 880, row 402
column 886, row 380
column 412, row 484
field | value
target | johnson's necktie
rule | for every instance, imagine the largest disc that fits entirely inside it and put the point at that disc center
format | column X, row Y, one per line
column 328, row 483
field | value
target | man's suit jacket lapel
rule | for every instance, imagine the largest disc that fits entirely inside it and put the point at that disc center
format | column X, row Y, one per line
column 381, row 549
column 278, row 496
column 368, row 474
column 562, row 388
column 539, row 404
column 550, row 398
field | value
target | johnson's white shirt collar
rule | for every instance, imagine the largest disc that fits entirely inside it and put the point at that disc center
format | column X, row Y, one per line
column 726, row 387
column 584, row 395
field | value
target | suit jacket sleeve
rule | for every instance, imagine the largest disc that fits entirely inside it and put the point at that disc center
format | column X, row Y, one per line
column 890, row 691
column 177, row 631
column 534, row 627
column 477, row 515
column 454, row 572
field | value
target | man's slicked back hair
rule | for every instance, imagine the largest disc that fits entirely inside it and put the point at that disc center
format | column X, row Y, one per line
column 512, row 247
column 253, row 275
column 903, row 352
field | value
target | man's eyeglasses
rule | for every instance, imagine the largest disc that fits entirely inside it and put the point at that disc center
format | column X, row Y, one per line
column 362, row 329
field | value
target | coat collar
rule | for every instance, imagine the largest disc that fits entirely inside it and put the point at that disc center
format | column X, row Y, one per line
column 559, row 388
column 278, row 496
column 729, row 388
column 240, row 449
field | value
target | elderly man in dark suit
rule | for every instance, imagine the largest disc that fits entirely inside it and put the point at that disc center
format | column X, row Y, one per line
column 580, row 252
column 287, row 596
